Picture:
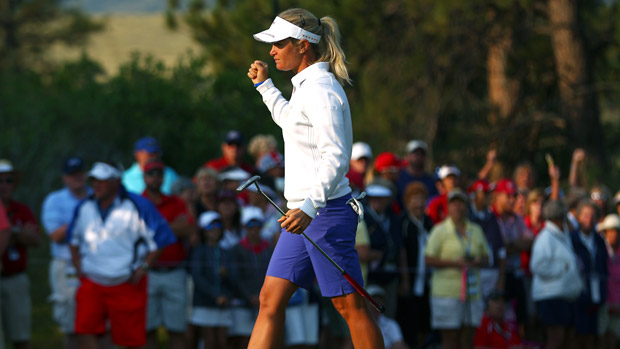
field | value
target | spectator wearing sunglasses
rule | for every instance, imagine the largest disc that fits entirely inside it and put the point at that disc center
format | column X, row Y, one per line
column 167, row 301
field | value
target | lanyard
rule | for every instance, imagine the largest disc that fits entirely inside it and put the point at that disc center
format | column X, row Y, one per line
column 467, row 246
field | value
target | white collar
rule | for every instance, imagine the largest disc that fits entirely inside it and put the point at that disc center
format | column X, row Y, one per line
column 311, row 70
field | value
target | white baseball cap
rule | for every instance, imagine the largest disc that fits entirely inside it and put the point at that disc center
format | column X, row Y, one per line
column 206, row 218
column 416, row 144
column 281, row 29
column 611, row 221
column 251, row 213
column 361, row 150
column 378, row 191
column 445, row 171
column 235, row 174
column 104, row 172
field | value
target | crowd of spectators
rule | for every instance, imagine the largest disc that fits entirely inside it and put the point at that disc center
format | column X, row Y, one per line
column 482, row 261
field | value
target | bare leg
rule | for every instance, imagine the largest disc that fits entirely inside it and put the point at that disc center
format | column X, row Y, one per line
column 151, row 339
column 176, row 340
column 449, row 339
column 364, row 330
column 70, row 341
column 269, row 327
column 467, row 337
column 221, row 334
column 556, row 337
column 88, row 341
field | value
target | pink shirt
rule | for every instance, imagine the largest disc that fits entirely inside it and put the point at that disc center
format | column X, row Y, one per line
column 4, row 219
column 613, row 284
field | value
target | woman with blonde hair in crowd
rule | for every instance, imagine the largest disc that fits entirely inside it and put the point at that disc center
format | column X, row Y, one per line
column 206, row 190
column 261, row 145
column 318, row 136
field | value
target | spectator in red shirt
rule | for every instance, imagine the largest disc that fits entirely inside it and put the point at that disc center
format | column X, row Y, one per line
column 494, row 331
column 438, row 207
column 167, row 294
column 233, row 149
column 15, row 289
column 361, row 160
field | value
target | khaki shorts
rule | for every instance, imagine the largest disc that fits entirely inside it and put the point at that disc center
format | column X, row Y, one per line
column 452, row 314
column 167, row 301
column 608, row 322
column 63, row 284
column 16, row 307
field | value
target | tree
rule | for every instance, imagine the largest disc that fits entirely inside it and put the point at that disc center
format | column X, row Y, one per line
column 30, row 27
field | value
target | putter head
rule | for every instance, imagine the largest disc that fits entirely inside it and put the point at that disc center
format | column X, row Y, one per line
column 247, row 183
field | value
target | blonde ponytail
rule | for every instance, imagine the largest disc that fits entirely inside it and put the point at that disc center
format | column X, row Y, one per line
column 328, row 49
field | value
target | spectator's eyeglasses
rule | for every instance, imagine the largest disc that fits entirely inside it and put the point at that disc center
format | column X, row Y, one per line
column 254, row 223
column 598, row 196
column 213, row 225
column 7, row 180
column 151, row 173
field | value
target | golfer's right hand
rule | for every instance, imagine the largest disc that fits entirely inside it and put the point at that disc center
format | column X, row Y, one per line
column 258, row 72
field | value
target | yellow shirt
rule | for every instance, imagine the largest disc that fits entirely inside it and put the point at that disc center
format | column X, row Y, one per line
column 363, row 239
column 445, row 243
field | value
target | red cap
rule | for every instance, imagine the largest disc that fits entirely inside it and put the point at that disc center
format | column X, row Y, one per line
column 154, row 164
column 506, row 186
column 479, row 185
column 387, row 162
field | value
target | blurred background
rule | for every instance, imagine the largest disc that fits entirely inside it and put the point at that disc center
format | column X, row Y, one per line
column 90, row 77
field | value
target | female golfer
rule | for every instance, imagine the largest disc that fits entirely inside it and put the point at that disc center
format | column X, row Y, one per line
column 316, row 127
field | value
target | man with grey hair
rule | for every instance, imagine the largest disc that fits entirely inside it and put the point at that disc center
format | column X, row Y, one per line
column 556, row 282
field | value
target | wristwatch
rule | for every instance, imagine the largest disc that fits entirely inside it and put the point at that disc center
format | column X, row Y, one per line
column 145, row 266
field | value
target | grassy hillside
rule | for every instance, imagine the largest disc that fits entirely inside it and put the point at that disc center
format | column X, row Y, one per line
column 128, row 33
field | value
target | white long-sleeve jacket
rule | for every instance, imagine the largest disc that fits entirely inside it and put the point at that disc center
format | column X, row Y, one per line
column 318, row 136
column 554, row 265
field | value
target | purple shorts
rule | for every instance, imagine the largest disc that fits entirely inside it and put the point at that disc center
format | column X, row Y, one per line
column 333, row 229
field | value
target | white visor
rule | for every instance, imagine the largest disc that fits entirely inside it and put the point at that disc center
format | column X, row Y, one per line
column 104, row 172
column 281, row 29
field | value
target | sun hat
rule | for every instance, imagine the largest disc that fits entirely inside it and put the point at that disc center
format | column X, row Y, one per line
column 281, row 29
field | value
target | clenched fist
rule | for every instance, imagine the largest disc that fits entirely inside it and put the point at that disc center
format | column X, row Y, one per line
column 258, row 72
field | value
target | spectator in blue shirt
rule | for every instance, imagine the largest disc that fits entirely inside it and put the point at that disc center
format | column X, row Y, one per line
column 56, row 214
column 145, row 149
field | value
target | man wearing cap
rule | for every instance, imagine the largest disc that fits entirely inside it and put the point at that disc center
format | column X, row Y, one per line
column 361, row 157
column 233, row 149
column 414, row 169
column 15, row 286
column 56, row 214
column 385, row 242
column 146, row 148
column 115, row 236
column 609, row 321
column 392, row 334
column 252, row 255
column 456, row 248
column 517, row 238
column 167, row 294
column 438, row 206
column 492, row 276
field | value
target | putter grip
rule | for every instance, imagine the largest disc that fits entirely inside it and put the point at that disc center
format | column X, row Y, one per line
column 380, row 307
